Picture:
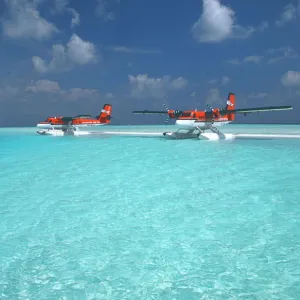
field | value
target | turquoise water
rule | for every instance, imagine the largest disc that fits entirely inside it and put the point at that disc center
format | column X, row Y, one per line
column 148, row 218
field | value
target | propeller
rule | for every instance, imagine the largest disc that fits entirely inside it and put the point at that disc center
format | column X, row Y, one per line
column 212, row 112
column 209, row 106
column 175, row 112
column 167, row 118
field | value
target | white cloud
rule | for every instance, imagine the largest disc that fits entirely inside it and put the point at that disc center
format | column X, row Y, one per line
column 253, row 58
column 79, row 51
column 61, row 6
column 271, row 56
column 79, row 93
column 76, row 52
column 217, row 23
column 122, row 49
column 257, row 95
column 76, row 17
column 44, row 86
column 291, row 79
column 213, row 97
column 282, row 53
column 289, row 14
column 144, row 86
column 109, row 95
column 248, row 59
column 25, row 21
column 263, row 26
column 103, row 11
column 233, row 61
column 51, row 87
column 223, row 81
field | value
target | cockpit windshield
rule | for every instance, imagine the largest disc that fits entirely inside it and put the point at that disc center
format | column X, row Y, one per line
column 186, row 114
column 84, row 117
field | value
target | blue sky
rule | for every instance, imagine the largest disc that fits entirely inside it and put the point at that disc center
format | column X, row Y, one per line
column 65, row 57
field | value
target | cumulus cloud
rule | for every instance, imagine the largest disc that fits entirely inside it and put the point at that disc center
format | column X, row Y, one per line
column 46, row 86
column 52, row 87
column 144, row 86
column 25, row 21
column 291, row 79
column 217, row 23
column 76, row 52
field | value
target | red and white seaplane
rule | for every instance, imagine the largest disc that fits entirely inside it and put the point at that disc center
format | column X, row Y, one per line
column 80, row 120
column 71, row 125
column 194, row 123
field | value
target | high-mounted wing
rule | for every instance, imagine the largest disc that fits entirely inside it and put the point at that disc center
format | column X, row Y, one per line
column 149, row 112
column 256, row 109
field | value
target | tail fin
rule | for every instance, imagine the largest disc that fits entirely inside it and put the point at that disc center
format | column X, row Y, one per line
column 105, row 114
column 230, row 105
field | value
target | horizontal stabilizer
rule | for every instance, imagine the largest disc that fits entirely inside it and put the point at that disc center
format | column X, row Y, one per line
column 150, row 112
column 256, row 109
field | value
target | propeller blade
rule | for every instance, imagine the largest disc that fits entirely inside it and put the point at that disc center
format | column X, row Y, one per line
column 167, row 109
column 209, row 107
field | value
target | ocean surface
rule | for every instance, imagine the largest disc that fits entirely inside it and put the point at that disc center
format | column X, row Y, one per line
column 110, row 217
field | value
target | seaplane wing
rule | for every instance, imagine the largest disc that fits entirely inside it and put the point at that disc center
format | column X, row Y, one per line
column 149, row 112
column 256, row 109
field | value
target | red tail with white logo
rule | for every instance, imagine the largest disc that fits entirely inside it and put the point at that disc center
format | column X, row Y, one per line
column 230, row 105
column 105, row 114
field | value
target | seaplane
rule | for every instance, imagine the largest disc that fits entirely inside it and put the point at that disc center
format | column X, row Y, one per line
column 195, row 123
column 104, row 118
column 60, row 126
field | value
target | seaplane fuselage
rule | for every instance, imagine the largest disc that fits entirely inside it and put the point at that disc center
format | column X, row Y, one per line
column 197, row 120
column 104, row 118
column 190, row 124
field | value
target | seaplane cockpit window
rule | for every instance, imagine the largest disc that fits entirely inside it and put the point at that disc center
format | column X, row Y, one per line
column 84, row 117
column 186, row 114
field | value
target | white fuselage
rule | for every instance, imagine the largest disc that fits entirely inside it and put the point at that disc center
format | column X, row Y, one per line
column 59, row 132
column 48, row 125
column 190, row 124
